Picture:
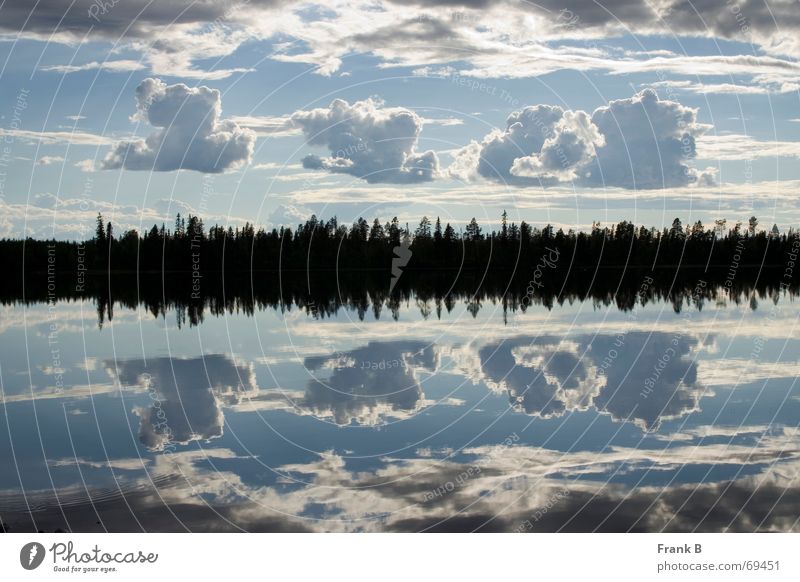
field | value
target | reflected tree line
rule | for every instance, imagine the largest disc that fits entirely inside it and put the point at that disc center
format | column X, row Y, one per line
column 323, row 266
column 429, row 295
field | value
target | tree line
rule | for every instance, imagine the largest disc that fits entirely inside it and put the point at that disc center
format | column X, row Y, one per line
column 322, row 245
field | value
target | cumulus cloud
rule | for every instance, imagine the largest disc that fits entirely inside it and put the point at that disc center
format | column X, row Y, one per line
column 570, row 145
column 639, row 142
column 190, row 133
column 653, row 379
column 647, row 142
column 369, row 141
column 526, row 131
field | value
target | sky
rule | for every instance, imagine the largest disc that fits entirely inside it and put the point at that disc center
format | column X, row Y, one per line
column 564, row 112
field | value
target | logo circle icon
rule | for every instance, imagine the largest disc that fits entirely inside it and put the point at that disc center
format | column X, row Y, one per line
column 31, row 555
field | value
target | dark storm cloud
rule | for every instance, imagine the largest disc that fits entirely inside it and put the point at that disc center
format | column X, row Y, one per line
column 675, row 17
column 111, row 20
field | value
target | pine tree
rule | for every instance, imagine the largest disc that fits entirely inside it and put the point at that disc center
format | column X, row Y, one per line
column 376, row 233
column 473, row 230
column 100, row 230
column 424, row 229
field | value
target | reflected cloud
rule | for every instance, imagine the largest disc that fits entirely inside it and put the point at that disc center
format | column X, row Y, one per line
column 643, row 378
column 371, row 384
column 652, row 379
column 513, row 488
column 187, row 395
column 543, row 376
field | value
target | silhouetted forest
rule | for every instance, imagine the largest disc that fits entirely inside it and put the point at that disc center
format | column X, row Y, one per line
column 322, row 266
column 324, row 245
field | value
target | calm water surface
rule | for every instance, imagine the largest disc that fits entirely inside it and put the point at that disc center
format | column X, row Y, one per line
column 578, row 418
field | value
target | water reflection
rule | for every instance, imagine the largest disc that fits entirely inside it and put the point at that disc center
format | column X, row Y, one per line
column 653, row 377
column 638, row 377
column 642, row 378
column 187, row 395
column 369, row 384
column 433, row 293
column 512, row 488
column 603, row 422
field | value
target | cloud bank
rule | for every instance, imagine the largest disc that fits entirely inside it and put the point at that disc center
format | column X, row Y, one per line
column 502, row 39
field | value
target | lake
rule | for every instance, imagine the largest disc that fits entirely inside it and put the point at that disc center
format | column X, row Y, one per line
column 578, row 416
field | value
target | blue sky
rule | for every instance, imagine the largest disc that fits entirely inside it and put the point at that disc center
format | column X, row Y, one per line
column 269, row 111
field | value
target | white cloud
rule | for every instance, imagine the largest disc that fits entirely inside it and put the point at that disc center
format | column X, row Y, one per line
column 570, row 146
column 465, row 162
column 178, row 53
column 120, row 66
column 647, row 143
column 699, row 88
column 266, row 126
column 132, row 464
column 57, row 137
column 288, row 215
column 74, row 218
column 281, row 167
column 369, row 141
column 171, row 35
column 518, row 39
column 735, row 146
column 86, row 165
column 525, row 134
column 443, row 121
column 48, row 160
column 506, row 38
column 190, row 133
column 640, row 142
